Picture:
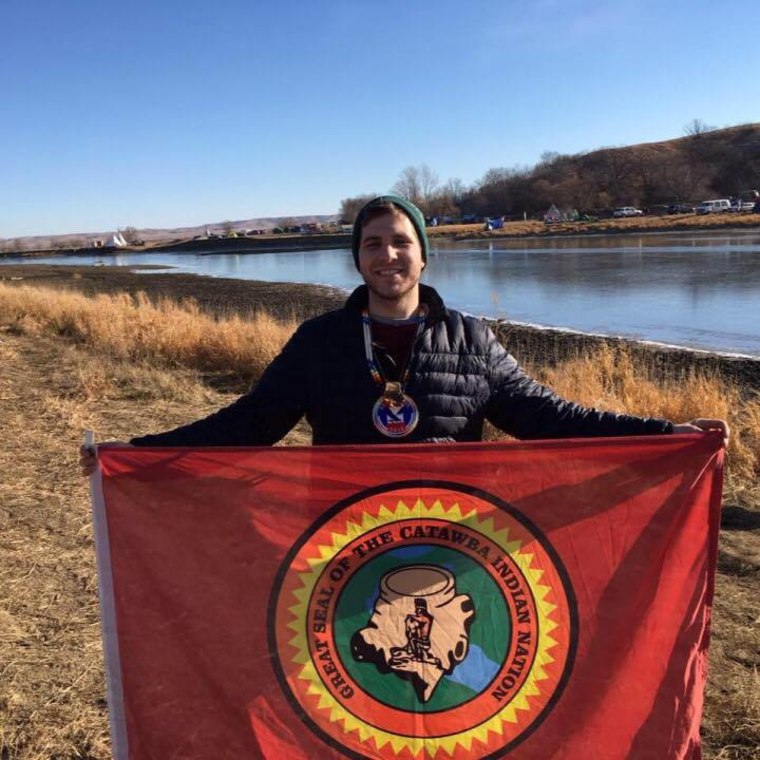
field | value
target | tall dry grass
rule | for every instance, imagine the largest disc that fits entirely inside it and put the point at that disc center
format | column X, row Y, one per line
column 610, row 378
column 135, row 329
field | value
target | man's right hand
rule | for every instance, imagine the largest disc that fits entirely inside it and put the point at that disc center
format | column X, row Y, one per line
column 88, row 456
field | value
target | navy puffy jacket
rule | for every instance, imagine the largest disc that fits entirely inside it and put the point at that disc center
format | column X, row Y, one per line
column 460, row 376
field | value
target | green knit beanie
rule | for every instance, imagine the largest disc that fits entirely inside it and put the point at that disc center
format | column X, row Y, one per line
column 407, row 207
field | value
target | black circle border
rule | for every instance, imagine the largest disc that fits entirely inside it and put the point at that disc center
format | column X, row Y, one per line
column 328, row 514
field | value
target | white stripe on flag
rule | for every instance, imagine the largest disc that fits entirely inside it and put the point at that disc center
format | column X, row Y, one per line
column 116, row 714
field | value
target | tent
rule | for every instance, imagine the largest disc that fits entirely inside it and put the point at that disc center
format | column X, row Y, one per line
column 116, row 241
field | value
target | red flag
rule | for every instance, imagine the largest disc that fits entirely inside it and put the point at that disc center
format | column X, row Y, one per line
column 528, row 600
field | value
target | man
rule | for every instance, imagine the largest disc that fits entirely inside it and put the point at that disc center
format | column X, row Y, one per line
column 396, row 365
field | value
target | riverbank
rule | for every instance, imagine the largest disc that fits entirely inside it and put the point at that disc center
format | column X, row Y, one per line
column 282, row 243
column 531, row 345
column 629, row 225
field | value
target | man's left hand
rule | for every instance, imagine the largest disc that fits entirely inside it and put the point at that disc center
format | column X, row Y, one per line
column 701, row 425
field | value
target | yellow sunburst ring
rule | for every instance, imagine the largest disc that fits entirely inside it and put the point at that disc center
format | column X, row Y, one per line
column 518, row 597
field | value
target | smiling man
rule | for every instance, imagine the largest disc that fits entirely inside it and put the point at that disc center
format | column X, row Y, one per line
column 394, row 364
column 391, row 258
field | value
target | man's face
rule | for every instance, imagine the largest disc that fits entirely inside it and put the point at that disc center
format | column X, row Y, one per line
column 390, row 258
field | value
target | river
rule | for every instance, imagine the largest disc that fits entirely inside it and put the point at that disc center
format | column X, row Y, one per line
column 693, row 289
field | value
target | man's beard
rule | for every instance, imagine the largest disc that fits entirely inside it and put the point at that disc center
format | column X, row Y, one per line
column 394, row 296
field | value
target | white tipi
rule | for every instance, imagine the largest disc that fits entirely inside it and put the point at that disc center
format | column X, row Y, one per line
column 116, row 241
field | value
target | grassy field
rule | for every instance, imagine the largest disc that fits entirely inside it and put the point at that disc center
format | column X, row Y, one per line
column 123, row 366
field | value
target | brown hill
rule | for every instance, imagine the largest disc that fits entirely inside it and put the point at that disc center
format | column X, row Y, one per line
column 717, row 163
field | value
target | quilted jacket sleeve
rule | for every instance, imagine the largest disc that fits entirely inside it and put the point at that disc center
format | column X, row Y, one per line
column 259, row 418
column 524, row 408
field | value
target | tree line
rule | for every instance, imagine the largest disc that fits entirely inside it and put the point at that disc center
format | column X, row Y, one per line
column 704, row 163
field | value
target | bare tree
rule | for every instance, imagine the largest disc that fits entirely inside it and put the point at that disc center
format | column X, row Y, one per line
column 548, row 157
column 455, row 189
column 350, row 207
column 409, row 185
column 496, row 191
column 428, row 185
column 130, row 235
column 447, row 200
column 697, row 127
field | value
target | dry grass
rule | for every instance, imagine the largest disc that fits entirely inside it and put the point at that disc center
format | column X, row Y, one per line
column 610, row 379
column 123, row 366
column 51, row 680
column 52, row 690
column 532, row 227
column 135, row 328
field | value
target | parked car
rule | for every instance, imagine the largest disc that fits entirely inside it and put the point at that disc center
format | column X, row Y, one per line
column 680, row 208
column 739, row 206
column 716, row 206
column 626, row 211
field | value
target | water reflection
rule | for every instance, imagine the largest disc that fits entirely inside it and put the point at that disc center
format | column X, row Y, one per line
column 694, row 289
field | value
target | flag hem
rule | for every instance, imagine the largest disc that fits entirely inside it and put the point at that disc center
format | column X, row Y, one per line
column 573, row 443
column 109, row 635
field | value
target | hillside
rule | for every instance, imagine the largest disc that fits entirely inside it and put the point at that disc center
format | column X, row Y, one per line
column 720, row 163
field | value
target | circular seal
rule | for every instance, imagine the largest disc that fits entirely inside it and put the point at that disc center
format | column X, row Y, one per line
column 423, row 620
column 395, row 417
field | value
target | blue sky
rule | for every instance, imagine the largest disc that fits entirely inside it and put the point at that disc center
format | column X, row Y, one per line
column 167, row 113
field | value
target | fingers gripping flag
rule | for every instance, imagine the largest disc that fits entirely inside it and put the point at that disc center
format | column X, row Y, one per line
column 527, row 600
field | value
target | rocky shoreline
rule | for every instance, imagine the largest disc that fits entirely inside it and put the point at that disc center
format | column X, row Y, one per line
column 534, row 345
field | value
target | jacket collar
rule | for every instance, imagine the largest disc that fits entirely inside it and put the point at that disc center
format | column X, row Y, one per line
column 359, row 299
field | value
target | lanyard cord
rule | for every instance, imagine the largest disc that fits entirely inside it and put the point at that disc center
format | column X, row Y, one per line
column 374, row 367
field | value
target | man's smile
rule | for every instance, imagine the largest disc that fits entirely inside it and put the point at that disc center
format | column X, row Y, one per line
column 389, row 271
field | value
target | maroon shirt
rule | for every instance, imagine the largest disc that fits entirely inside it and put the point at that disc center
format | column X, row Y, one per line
column 397, row 341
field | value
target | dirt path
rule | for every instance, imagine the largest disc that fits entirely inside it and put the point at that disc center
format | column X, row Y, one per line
column 52, row 690
column 49, row 634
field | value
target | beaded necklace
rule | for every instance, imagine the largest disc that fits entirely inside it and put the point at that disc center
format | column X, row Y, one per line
column 394, row 414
